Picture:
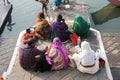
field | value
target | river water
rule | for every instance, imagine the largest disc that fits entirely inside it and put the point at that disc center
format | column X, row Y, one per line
column 24, row 15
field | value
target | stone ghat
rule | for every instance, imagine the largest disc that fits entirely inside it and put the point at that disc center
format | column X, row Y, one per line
column 19, row 73
column 76, row 8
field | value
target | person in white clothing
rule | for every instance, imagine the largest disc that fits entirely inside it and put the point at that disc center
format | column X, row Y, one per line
column 87, row 61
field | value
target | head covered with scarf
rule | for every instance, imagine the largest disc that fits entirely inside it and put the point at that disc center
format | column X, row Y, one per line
column 81, row 27
column 60, row 29
column 86, row 57
column 57, row 42
column 42, row 29
column 85, row 46
column 58, row 54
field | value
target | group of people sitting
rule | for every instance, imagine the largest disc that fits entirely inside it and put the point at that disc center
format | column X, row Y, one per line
column 56, row 56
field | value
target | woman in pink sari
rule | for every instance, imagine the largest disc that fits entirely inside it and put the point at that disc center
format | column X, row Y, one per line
column 57, row 55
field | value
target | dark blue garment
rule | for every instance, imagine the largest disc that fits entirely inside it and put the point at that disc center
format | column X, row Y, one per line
column 57, row 2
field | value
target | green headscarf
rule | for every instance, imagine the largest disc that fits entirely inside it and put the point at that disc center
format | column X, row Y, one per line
column 81, row 27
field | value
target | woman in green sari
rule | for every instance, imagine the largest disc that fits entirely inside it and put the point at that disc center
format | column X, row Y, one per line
column 81, row 27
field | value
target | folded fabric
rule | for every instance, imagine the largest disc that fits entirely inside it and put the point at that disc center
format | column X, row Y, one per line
column 74, row 38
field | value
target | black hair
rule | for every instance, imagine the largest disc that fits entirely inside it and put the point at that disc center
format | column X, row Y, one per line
column 59, row 18
column 36, row 0
column 28, row 30
column 31, row 41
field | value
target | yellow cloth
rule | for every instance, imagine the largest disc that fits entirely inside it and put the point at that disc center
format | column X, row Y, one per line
column 42, row 29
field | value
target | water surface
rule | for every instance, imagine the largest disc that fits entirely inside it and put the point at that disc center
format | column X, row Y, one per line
column 25, row 13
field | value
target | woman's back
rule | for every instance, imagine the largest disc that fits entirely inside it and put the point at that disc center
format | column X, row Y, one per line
column 43, row 29
column 58, row 55
column 81, row 27
column 60, row 29
column 59, row 60
column 89, row 58
column 86, row 60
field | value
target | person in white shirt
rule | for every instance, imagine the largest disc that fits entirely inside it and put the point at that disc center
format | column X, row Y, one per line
column 87, row 61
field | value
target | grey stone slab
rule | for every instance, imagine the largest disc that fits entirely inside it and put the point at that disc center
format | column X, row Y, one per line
column 114, row 60
column 3, row 68
column 115, row 73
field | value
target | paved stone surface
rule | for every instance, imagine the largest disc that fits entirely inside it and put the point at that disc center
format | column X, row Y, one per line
column 112, row 48
column 116, row 73
column 76, row 8
column 7, row 46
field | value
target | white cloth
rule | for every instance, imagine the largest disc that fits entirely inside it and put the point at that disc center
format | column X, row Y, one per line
column 89, row 58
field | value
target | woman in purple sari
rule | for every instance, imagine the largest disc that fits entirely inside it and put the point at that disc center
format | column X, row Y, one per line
column 60, row 29
column 57, row 55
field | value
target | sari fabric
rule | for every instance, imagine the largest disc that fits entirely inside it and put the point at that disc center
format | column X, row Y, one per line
column 58, row 55
column 57, row 2
column 60, row 29
column 81, row 27
column 27, row 36
column 42, row 29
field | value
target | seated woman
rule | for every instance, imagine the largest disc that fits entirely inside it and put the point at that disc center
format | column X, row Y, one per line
column 81, row 27
column 27, row 35
column 57, row 55
column 42, row 29
column 60, row 29
column 87, row 61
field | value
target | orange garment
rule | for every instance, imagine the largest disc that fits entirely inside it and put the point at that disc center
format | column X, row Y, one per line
column 42, row 21
column 1, row 78
column 27, row 36
column 42, row 29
